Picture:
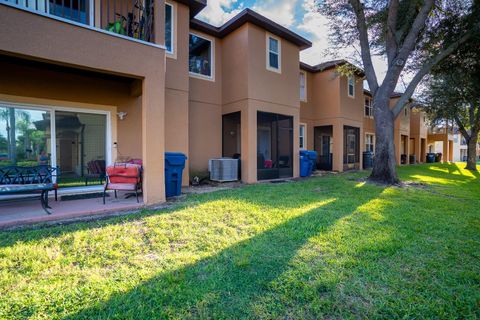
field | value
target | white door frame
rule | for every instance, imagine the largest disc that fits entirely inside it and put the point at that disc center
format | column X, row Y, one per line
column 52, row 109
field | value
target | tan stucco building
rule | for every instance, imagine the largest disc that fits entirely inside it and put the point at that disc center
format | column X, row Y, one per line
column 410, row 131
column 158, row 80
column 332, row 115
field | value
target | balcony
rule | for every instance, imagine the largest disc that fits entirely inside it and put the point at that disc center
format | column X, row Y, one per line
column 126, row 18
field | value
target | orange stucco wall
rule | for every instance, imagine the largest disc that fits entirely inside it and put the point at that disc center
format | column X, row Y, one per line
column 51, row 41
column 328, row 104
column 418, row 134
column 177, row 85
column 241, row 83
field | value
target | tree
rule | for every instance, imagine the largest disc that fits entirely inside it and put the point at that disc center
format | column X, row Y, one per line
column 412, row 35
column 453, row 92
column 10, row 115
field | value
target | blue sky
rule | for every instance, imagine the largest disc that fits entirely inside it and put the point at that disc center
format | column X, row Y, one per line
column 298, row 15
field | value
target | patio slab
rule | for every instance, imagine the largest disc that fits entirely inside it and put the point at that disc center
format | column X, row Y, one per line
column 29, row 210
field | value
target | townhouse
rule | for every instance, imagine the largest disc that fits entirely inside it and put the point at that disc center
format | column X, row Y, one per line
column 410, row 131
column 113, row 80
column 337, row 119
column 331, row 115
column 440, row 139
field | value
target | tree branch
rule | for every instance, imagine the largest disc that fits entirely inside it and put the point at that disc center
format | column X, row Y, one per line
column 412, row 36
column 462, row 129
column 365, row 45
column 392, row 42
column 426, row 69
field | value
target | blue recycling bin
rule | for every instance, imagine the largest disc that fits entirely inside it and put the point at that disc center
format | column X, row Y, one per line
column 174, row 165
column 305, row 166
column 312, row 155
column 308, row 160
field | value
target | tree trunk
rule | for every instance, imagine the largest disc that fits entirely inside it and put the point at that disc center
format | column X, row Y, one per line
column 384, row 166
column 472, row 152
column 13, row 143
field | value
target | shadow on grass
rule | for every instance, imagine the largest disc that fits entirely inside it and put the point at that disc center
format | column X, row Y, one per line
column 227, row 284
column 283, row 196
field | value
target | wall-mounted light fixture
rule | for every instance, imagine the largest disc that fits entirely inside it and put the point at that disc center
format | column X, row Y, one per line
column 122, row 115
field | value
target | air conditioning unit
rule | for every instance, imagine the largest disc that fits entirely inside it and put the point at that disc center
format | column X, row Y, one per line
column 223, row 169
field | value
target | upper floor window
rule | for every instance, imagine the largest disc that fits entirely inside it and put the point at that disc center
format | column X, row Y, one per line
column 303, row 86
column 273, row 54
column 302, row 135
column 406, row 111
column 169, row 28
column 200, row 56
column 351, row 86
column 368, row 107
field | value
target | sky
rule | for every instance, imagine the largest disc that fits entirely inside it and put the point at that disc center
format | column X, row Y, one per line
column 299, row 16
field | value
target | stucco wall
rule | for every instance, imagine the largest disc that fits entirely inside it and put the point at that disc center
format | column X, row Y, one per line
column 177, row 84
column 205, row 110
column 328, row 104
column 60, row 43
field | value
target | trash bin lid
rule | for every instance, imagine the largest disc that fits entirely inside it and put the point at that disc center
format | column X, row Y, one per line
column 175, row 158
column 304, row 152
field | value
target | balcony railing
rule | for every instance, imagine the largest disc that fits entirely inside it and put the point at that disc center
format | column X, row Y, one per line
column 130, row 18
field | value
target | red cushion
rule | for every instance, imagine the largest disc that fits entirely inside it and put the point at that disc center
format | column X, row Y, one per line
column 128, row 173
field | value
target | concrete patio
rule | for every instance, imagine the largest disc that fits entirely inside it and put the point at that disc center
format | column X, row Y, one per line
column 27, row 210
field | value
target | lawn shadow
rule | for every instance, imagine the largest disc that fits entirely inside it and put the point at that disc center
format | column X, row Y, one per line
column 227, row 284
column 267, row 196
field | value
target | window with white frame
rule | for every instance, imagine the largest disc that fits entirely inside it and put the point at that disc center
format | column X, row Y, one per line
column 368, row 107
column 200, row 56
column 351, row 86
column 370, row 142
column 303, row 86
column 302, row 135
column 273, row 53
column 169, row 28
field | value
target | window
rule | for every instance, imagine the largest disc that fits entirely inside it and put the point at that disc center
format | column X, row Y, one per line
column 169, row 28
column 302, row 135
column 368, row 107
column 81, row 139
column 406, row 111
column 303, row 86
column 351, row 86
column 273, row 54
column 200, row 56
column 370, row 142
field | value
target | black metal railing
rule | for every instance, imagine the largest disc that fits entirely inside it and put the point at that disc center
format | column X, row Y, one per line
column 131, row 18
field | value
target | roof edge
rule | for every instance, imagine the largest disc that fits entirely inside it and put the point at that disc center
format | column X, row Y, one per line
column 195, row 6
column 324, row 66
column 248, row 15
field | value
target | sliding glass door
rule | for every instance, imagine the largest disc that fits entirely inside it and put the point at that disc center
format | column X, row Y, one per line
column 274, row 146
column 79, row 147
column 80, row 144
column 22, row 141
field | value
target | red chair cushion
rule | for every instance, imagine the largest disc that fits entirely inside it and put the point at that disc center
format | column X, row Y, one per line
column 124, row 174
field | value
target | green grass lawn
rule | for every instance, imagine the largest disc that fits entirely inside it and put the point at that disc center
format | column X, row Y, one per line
column 329, row 247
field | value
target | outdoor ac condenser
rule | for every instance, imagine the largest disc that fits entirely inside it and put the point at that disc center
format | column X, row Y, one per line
column 223, row 169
